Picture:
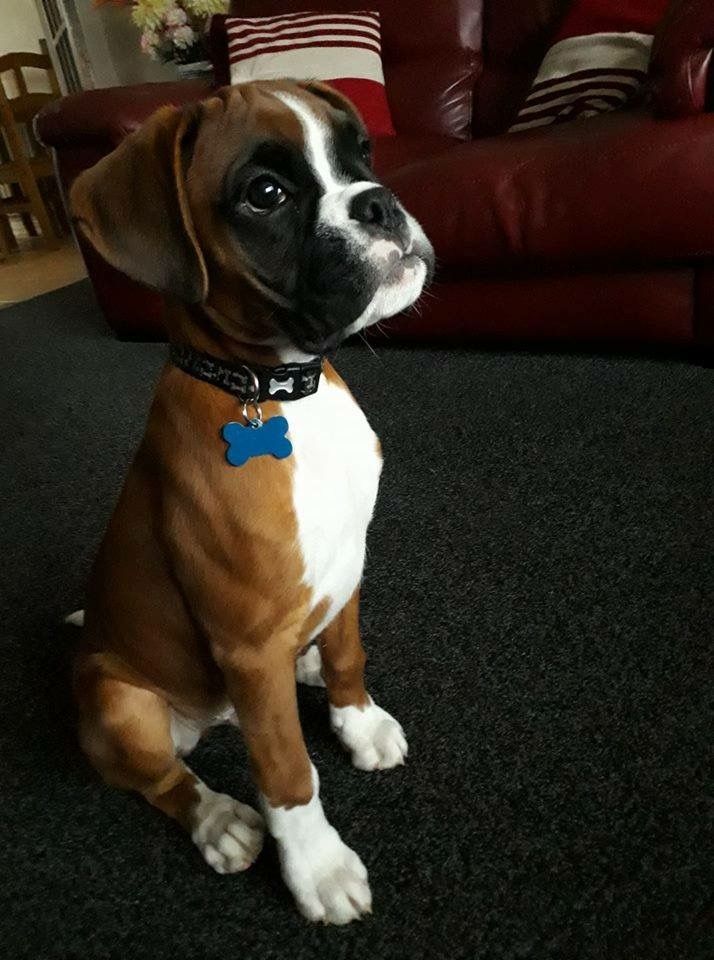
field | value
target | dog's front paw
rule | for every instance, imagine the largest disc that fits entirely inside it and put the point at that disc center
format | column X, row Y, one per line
column 229, row 834
column 375, row 739
column 327, row 878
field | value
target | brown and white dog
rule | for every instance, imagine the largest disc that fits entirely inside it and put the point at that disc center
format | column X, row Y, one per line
column 258, row 211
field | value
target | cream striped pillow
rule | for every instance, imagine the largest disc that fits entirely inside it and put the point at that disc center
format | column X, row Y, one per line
column 342, row 49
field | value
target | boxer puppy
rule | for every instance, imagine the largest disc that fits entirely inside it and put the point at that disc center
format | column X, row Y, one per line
column 239, row 537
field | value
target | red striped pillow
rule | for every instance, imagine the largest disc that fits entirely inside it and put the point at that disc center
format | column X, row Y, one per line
column 343, row 49
column 599, row 62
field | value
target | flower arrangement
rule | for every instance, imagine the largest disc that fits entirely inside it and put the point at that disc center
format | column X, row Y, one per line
column 173, row 30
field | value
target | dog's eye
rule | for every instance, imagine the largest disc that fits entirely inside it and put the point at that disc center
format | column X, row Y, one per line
column 366, row 150
column 265, row 194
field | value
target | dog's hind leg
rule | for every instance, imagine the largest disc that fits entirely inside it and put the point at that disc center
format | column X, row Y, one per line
column 308, row 667
column 75, row 619
column 125, row 730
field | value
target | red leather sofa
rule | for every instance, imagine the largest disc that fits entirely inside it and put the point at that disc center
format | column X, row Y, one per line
column 595, row 230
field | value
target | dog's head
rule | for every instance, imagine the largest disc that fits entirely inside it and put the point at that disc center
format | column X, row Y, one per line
column 262, row 195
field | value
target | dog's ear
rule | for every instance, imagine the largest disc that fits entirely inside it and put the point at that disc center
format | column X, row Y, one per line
column 132, row 206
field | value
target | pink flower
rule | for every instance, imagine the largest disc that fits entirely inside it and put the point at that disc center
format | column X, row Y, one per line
column 150, row 43
column 182, row 36
column 176, row 17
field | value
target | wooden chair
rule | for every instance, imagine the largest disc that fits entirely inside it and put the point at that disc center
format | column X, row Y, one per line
column 26, row 169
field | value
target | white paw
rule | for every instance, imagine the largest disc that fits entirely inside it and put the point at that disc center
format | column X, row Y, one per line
column 229, row 834
column 308, row 668
column 373, row 736
column 327, row 879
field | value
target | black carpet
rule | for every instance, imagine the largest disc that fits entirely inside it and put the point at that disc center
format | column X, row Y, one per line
column 538, row 611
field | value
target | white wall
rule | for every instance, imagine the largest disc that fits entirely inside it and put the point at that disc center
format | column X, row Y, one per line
column 113, row 47
column 20, row 33
column 112, row 42
column 21, row 28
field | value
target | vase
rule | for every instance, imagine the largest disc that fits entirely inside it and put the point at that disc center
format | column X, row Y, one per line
column 199, row 70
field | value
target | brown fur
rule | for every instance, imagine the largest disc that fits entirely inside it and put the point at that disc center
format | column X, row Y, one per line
column 197, row 595
column 343, row 657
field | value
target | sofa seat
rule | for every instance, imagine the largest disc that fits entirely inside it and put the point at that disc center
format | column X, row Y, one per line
column 616, row 190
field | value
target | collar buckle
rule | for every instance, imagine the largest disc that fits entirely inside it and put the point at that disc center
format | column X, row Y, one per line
column 250, row 384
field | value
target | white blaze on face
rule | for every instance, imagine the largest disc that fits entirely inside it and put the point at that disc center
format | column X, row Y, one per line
column 338, row 192
column 316, row 142
column 400, row 287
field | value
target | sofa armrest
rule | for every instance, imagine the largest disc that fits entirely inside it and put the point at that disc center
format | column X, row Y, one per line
column 681, row 58
column 106, row 116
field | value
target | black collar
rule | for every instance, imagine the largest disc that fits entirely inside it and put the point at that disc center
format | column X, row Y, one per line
column 251, row 383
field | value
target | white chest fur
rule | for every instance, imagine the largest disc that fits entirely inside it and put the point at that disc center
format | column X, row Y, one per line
column 336, row 476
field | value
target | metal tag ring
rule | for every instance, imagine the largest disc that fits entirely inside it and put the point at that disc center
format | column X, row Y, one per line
column 257, row 419
column 254, row 382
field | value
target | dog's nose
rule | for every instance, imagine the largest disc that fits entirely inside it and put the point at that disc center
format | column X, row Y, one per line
column 378, row 207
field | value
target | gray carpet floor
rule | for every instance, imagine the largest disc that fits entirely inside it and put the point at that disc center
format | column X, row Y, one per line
column 538, row 613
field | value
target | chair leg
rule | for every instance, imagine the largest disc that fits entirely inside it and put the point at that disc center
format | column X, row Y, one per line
column 4, row 248
column 8, row 241
column 8, row 234
column 26, row 218
column 29, row 224
column 39, row 209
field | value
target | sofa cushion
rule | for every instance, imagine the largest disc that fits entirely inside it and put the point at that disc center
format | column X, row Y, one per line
column 515, row 38
column 394, row 153
column 430, row 52
column 598, row 62
column 635, row 306
column 342, row 49
column 622, row 189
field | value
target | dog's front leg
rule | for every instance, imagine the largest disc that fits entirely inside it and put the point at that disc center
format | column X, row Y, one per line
column 374, row 738
column 327, row 879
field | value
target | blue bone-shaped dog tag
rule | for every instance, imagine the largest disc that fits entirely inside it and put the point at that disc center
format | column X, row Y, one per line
column 256, row 439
